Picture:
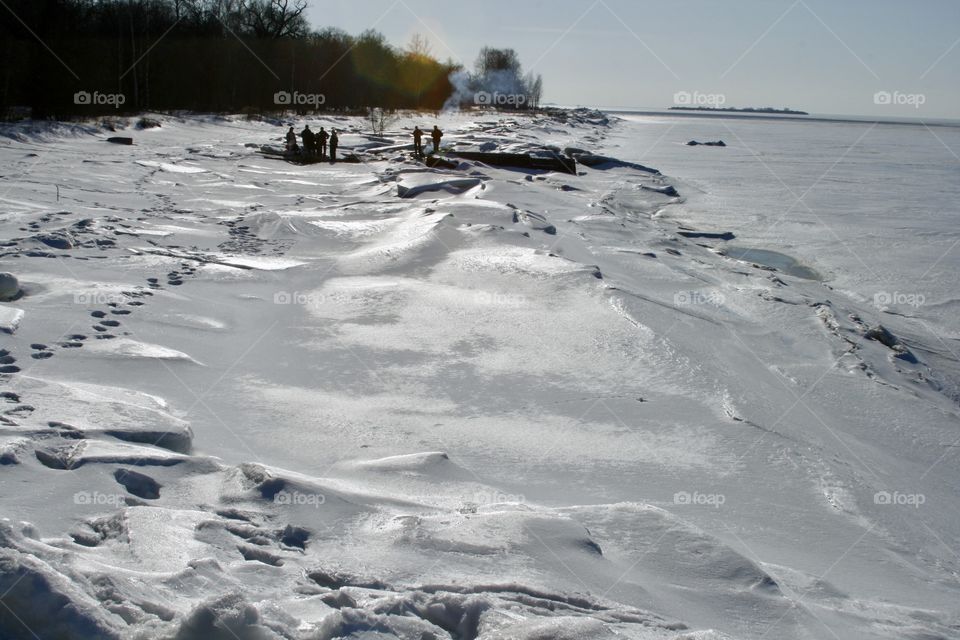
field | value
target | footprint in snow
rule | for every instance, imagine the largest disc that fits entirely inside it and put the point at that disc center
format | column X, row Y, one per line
column 73, row 341
column 6, row 362
column 42, row 351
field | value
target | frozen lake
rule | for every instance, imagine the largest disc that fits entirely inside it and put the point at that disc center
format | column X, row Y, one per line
column 874, row 208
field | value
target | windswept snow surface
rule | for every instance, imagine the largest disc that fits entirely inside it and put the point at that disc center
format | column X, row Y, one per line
column 248, row 399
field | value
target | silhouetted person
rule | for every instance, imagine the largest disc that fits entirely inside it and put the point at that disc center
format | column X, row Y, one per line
column 334, row 141
column 307, row 136
column 322, row 138
column 417, row 142
column 436, row 134
column 291, row 140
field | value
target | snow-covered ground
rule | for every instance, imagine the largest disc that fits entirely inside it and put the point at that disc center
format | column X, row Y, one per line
column 251, row 399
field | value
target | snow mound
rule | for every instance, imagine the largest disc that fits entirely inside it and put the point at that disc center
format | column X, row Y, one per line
column 78, row 453
column 10, row 318
column 417, row 462
column 411, row 185
column 127, row 348
column 48, row 603
column 9, row 286
column 503, row 611
column 420, row 236
column 88, row 410
column 169, row 167
column 275, row 225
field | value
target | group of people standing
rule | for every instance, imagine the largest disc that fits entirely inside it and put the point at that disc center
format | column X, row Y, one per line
column 314, row 144
column 435, row 135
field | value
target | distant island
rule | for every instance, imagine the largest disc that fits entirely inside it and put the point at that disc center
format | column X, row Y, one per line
column 744, row 110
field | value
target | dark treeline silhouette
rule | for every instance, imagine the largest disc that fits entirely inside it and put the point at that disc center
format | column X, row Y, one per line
column 74, row 57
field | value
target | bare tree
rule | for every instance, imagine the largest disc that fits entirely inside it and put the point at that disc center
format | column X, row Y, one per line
column 380, row 119
column 492, row 60
column 534, row 90
column 418, row 61
column 274, row 18
column 182, row 7
column 419, row 46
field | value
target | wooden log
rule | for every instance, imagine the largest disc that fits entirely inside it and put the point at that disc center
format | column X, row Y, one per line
column 439, row 163
column 521, row 160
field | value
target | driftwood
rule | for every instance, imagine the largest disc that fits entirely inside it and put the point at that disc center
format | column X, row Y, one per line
column 521, row 160
column 439, row 163
column 604, row 162
column 299, row 158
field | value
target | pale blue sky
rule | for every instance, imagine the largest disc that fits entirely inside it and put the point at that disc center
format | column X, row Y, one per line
column 822, row 56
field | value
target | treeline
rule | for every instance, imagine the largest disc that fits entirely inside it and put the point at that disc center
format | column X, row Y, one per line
column 84, row 57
